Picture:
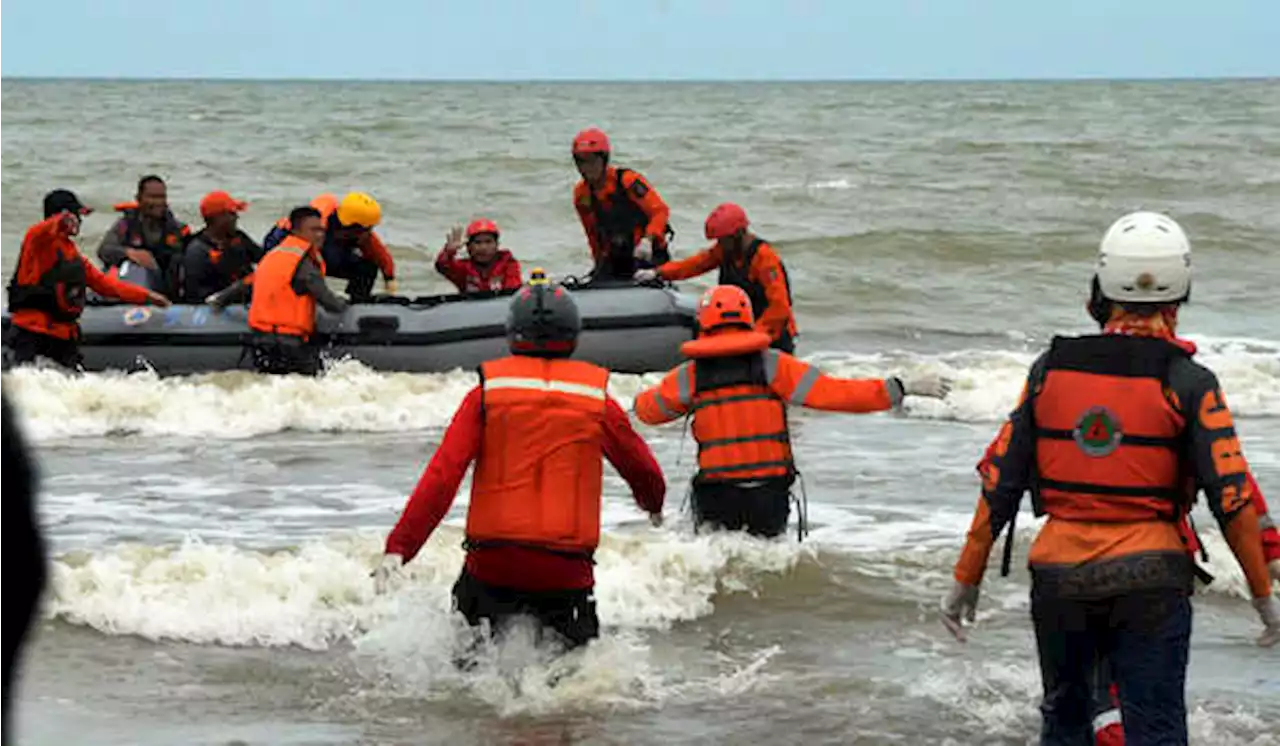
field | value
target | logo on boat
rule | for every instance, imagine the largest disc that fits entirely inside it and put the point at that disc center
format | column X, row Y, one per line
column 1098, row 432
column 200, row 316
column 137, row 315
column 172, row 315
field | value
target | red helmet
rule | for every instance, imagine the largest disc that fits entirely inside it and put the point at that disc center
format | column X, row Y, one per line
column 591, row 141
column 725, row 305
column 482, row 225
column 726, row 220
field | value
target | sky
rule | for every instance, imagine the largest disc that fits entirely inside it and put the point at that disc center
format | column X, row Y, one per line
column 640, row 39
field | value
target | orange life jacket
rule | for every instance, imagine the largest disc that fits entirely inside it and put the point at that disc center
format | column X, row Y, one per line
column 276, row 308
column 538, row 478
column 1107, row 436
column 740, row 424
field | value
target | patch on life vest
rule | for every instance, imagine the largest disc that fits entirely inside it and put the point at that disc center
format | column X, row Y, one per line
column 1098, row 432
column 137, row 315
column 639, row 188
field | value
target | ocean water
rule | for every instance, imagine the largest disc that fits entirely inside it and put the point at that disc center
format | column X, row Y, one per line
column 213, row 535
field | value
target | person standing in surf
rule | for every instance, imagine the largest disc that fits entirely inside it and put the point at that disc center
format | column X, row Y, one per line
column 1113, row 435
column 538, row 427
column 737, row 390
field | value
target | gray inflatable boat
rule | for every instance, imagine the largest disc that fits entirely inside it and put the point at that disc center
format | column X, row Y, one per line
column 625, row 327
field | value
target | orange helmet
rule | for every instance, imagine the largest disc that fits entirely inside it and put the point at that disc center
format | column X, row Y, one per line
column 591, row 141
column 482, row 225
column 726, row 220
column 725, row 305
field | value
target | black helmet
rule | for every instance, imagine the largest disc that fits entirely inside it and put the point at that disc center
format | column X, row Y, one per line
column 543, row 319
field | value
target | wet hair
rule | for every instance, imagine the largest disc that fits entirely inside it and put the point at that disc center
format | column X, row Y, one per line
column 149, row 179
column 299, row 214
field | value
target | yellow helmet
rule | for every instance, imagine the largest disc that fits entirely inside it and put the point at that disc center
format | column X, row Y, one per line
column 358, row 208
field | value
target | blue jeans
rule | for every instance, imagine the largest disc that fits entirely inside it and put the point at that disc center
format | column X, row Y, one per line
column 1146, row 637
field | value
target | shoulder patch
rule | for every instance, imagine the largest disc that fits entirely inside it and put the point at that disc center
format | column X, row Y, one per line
column 1098, row 432
column 639, row 188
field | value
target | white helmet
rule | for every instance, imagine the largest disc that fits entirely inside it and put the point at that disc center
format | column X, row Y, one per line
column 1145, row 258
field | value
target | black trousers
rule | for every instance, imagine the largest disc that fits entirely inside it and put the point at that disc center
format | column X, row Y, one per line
column 359, row 272
column 1143, row 637
column 280, row 354
column 761, row 508
column 25, row 346
column 570, row 615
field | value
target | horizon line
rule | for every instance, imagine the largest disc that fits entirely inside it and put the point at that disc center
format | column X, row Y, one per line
column 641, row 81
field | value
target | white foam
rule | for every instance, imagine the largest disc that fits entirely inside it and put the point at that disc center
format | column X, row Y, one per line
column 353, row 398
column 321, row 593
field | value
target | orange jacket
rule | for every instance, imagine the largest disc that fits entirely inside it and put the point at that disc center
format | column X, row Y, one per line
column 765, row 283
column 276, row 307
column 737, row 390
column 52, row 274
column 371, row 246
column 638, row 211
column 1111, row 512
column 538, row 478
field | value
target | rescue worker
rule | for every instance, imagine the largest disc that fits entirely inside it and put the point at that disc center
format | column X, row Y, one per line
column 625, row 219
column 28, row 561
column 538, row 426
column 486, row 267
column 737, row 390
column 287, row 284
column 746, row 261
column 47, row 290
column 1108, row 728
column 352, row 251
column 148, row 235
column 220, row 253
column 1114, row 434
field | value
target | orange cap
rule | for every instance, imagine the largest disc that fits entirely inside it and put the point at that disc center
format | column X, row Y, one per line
column 216, row 203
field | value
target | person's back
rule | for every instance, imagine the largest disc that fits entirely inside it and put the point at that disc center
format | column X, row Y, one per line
column 1113, row 435
column 537, row 427
column 538, row 475
column 737, row 389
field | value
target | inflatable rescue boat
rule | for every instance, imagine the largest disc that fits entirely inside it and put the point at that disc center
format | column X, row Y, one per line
column 625, row 327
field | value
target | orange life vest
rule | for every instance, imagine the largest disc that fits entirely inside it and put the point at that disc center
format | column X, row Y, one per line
column 276, row 308
column 1107, row 436
column 740, row 424
column 538, row 478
